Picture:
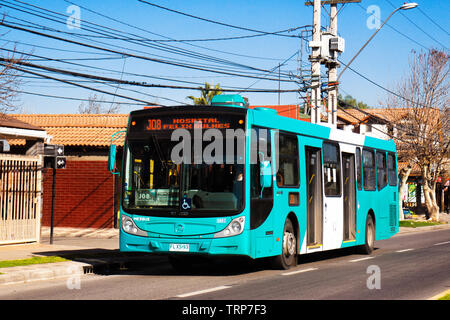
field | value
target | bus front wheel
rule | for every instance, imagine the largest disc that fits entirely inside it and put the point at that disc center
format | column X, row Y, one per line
column 288, row 256
column 369, row 243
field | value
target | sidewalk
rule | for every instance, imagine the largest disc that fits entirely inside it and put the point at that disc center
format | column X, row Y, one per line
column 443, row 218
column 88, row 251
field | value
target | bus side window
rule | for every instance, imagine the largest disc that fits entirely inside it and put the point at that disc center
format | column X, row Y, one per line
column 392, row 168
column 358, row 169
column 381, row 170
column 331, row 169
column 369, row 176
column 260, row 144
column 288, row 157
column 260, row 204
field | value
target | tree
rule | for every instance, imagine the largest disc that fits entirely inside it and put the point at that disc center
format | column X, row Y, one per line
column 96, row 107
column 349, row 102
column 422, row 128
column 206, row 94
column 9, row 83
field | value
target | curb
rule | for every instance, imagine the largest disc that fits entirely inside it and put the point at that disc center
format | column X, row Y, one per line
column 404, row 230
column 49, row 271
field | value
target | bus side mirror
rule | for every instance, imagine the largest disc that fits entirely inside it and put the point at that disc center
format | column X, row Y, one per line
column 265, row 174
column 112, row 159
column 113, row 151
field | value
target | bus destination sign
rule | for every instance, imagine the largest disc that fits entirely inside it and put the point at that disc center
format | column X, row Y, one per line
column 186, row 123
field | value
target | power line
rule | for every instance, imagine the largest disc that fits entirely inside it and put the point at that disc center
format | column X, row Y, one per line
column 75, row 99
column 159, row 47
column 396, row 30
column 433, row 21
column 69, row 82
column 231, row 89
column 381, row 87
column 133, row 83
column 413, row 23
column 211, row 21
column 110, row 31
column 168, row 39
column 139, row 56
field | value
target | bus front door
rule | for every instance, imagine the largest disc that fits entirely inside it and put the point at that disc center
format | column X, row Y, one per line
column 314, row 199
column 349, row 185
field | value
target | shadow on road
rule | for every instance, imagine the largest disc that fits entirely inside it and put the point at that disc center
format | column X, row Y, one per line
column 114, row 262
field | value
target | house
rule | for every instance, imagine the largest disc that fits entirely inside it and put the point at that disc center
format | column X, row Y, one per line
column 402, row 124
column 86, row 194
column 20, row 182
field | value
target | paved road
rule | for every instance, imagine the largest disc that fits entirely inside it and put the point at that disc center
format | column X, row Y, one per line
column 410, row 266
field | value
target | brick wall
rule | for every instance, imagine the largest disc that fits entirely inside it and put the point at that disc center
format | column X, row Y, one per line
column 84, row 195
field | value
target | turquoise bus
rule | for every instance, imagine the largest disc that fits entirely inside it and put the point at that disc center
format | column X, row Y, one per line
column 229, row 180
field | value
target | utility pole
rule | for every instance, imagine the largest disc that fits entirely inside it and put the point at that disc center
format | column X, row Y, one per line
column 315, row 44
column 325, row 49
column 332, row 72
column 279, row 83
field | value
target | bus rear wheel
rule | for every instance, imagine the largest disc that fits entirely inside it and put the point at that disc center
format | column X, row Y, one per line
column 288, row 256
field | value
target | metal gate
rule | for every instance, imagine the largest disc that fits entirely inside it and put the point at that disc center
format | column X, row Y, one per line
column 20, row 198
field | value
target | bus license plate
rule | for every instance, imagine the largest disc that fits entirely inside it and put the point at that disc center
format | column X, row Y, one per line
column 179, row 247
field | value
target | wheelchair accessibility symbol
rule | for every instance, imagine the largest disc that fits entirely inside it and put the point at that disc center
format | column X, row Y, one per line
column 186, row 204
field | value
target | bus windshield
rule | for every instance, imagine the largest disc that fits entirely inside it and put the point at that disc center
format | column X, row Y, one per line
column 156, row 184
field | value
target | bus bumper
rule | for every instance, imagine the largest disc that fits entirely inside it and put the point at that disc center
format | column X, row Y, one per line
column 235, row 245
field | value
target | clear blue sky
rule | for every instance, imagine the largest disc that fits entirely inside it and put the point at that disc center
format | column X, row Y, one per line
column 384, row 60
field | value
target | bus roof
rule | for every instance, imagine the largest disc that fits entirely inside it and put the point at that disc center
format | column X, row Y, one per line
column 268, row 118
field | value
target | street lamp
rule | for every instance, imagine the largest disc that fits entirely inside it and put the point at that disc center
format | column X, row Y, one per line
column 406, row 6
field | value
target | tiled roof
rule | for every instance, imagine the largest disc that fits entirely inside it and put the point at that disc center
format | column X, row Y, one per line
column 77, row 129
column 351, row 116
column 96, row 129
column 13, row 122
column 354, row 116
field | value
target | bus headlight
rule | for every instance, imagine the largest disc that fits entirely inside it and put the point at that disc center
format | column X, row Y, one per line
column 235, row 227
column 130, row 227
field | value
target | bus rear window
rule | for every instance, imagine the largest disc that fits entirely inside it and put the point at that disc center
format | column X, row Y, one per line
column 392, row 170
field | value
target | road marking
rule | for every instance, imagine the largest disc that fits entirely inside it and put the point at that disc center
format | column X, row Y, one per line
column 298, row 271
column 441, row 243
column 404, row 250
column 361, row 259
column 202, row 291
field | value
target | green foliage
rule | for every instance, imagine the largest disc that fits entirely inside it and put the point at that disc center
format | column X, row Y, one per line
column 415, row 224
column 30, row 261
column 207, row 93
column 349, row 102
